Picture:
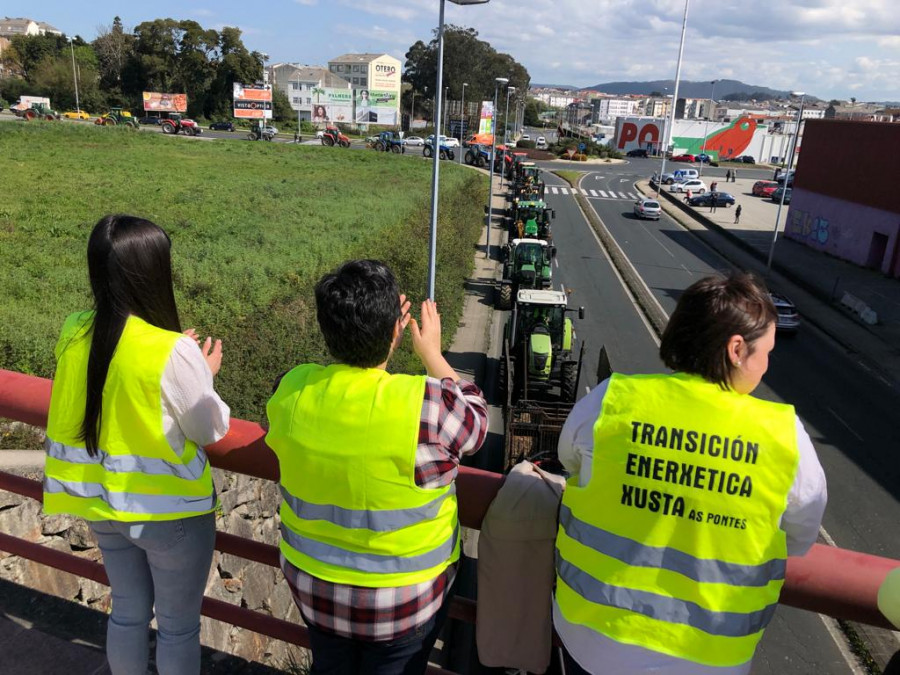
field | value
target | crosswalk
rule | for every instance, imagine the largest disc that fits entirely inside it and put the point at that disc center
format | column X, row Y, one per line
column 598, row 194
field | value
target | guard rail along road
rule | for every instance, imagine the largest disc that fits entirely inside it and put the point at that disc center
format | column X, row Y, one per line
column 828, row 580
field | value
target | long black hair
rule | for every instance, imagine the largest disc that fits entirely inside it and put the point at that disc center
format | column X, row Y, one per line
column 130, row 268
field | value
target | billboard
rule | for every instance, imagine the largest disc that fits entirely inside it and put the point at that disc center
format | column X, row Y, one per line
column 160, row 102
column 487, row 115
column 385, row 74
column 377, row 107
column 252, row 101
column 333, row 105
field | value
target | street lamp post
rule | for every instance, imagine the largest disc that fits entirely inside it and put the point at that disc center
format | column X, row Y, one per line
column 706, row 129
column 446, row 108
column 462, row 121
column 509, row 90
column 412, row 110
column 490, row 210
column 667, row 132
column 74, row 75
column 435, row 175
column 784, row 188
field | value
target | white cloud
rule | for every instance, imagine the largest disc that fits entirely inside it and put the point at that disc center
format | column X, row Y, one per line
column 307, row 3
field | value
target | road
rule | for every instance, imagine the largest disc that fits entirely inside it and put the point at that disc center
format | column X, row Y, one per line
column 847, row 411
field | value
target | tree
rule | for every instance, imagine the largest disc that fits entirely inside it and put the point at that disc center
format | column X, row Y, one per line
column 281, row 106
column 113, row 46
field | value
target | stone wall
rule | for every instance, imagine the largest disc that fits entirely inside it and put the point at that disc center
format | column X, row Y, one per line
column 249, row 507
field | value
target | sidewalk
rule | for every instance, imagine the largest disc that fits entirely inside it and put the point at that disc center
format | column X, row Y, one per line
column 814, row 281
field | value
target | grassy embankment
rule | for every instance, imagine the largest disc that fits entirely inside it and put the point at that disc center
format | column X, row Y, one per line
column 253, row 226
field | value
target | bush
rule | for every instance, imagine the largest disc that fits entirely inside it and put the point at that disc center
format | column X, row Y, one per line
column 528, row 145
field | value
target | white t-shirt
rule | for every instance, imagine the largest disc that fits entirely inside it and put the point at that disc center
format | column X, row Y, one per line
column 597, row 653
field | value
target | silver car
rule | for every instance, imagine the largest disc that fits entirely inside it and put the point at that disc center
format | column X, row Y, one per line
column 647, row 208
column 788, row 320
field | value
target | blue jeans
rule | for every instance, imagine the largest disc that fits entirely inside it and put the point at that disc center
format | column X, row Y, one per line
column 408, row 655
column 163, row 564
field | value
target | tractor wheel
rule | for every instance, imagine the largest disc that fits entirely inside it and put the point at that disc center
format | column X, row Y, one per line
column 29, row 115
column 468, row 158
column 569, row 381
column 49, row 118
column 169, row 129
column 269, row 137
column 327, row 140
column 451, row 155
column 426, row 151
column 379, row 146
column 252, row 136
column 396, row 149
column 443, row 154
column 345, row 144
column 505, row 300
column 480, row 162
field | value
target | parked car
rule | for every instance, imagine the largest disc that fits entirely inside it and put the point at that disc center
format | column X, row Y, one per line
column 788, row 319
column 222, row 126
column 679, row 175
column 746, row 159
column 149, row 119
column 786, row 175
column 541, row 143
column 764, row 188
column 525, row 137
column 693, row 184
column 647, row 208
column 639, row 152
column 722, row 199
column 776, row 195
column 75, row 115
column 683, row 158
column 703, row 158
column 414, row 140
column 449, row 141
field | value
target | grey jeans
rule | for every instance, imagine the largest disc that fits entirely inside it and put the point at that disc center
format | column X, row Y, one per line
column 156, row 564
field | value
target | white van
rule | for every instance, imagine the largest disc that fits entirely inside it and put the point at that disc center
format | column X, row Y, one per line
column 682, row 175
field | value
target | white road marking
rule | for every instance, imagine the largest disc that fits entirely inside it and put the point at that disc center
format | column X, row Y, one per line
column 631, row 195
column 623, row 195
column 584, row 192
column 687, row 270
column 846, row 426
column 553, row 190
column 834, row 630
column 593, row 193
column 602, row 193
column 556, row 263
column 563, row 191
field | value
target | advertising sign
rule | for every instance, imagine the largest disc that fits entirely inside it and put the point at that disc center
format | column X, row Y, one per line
column 487, row 115
column 385, row 75
column 644, row 133
column 377, row 107
column 159, row 102
column 252, row 101
column 333, row 105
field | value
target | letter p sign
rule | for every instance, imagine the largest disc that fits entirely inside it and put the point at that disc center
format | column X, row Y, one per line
column 629, row 133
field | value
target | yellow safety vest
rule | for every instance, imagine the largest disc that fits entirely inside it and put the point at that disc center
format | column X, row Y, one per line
column 351, row 512
column 136, row 475
column 675, row 542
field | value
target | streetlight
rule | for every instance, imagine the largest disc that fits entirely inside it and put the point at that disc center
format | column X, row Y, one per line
column 509, row 90
column 432, row 232
column 446, row 108
column 784, row 188
column 462, row 121
column 667, row 132
column 498, row 81
column 706, row 129
column 74, row 76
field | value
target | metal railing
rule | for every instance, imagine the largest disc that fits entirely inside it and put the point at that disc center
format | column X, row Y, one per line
column 828, row 580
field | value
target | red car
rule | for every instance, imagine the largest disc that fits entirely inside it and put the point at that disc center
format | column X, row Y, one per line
column 684, row 158
column 764, row 188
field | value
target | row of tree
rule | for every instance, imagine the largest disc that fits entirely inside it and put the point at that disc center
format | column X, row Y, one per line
column 163, row 55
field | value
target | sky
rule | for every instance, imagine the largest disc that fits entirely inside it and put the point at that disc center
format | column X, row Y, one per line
column 827, row 48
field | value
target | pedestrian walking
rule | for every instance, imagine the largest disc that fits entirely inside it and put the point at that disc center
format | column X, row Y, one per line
column 629, row 574
column 737, row 214
column 367, row 459
column 131, row 408
column 728, row 175
column 733, row 175
column 688, row 195
column 713, row 197
column 713, row 186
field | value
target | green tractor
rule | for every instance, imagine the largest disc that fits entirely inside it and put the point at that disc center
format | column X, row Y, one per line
column 538, row 342
column 530, row 218
column 528, row 184
column 117, row 117
column 527, row 264
column 40, row 111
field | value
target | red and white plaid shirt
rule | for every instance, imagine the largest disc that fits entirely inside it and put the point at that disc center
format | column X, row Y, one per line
column 453, row 423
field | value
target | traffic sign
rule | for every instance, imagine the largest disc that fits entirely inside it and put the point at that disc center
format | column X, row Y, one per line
column 582, row 147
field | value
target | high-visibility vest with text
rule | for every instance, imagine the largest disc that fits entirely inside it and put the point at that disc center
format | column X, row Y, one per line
column 675, row 543
column 352, row 513
column 136, row 475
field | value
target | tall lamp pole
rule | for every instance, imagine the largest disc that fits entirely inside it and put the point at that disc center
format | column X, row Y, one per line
column 784, row 188
column 435, row 175
column 497, row 82
column 667, row 132
column 412, row 110
column 509, row 90
column 462, row 121
column 446, row 108
column 74, row 75
column 706, row 129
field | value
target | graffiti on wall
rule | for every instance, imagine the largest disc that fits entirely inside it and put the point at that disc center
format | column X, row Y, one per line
column 815, row 230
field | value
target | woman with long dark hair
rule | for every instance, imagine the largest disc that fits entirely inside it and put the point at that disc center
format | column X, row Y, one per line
column 132, row 406
column 687, row 496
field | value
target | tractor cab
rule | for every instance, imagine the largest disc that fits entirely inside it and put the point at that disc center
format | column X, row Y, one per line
column 527, row 264
column 531, row 218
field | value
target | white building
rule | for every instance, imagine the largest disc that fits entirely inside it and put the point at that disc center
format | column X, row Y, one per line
column 10, row 27
column 307, row 86
column 375, row 79
column 611, row 108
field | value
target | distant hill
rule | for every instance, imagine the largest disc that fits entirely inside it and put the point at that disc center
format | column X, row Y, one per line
column 687, row 89
column 551, row 86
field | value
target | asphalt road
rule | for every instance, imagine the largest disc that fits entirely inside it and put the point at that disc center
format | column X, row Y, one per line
column 846, row 410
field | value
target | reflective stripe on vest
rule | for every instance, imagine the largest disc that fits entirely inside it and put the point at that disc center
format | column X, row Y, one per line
column 675, row 544
column 377, row 521
column 130, row 502
column 136, row 475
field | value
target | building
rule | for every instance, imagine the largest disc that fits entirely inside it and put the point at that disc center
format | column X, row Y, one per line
column 375, row 80
column 608, row 109
column 856, row 220
column 10, row 27
column 868, row 112
column 309, row 86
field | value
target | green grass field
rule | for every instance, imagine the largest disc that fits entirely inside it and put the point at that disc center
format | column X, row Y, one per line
column 253, row 226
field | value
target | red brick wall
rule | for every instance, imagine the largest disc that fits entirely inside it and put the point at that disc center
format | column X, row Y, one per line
column 854, row 161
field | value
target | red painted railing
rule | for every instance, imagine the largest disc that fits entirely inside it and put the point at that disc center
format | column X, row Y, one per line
column 833, row 581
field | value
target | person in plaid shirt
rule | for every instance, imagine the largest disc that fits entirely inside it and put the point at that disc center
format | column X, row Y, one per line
column 360, row 449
